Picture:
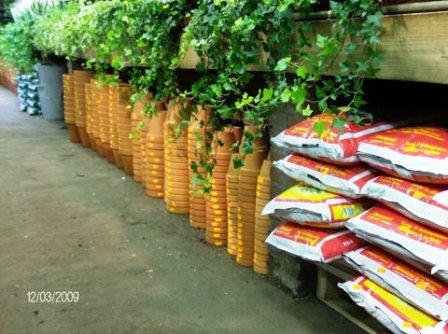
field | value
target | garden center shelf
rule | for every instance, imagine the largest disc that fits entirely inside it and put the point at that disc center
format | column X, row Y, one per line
column 414, row 42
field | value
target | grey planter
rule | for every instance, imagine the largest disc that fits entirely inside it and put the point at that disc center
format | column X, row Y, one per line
column 51, row 90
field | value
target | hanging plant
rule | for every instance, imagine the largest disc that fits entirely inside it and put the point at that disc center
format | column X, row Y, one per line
column 230, row 37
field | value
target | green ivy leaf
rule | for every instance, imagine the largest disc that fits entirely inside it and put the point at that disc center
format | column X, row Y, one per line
column 319, row 128
column 339, row 123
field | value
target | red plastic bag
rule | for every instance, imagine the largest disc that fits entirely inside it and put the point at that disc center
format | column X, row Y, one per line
column 414, row 153
column 333, row 146
column 325, row 176
column 313, row 244
column 423, row 203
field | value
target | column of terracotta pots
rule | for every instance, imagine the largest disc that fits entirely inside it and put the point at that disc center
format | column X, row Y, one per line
column 262, row 223
column 154, row 171
column 247, row 188
column 103, row 112
column 177, row 190
column 113, row 125
column 137, row 118
column 69, row 107
column 142, row 143
column 95, row 117
column 216, row 229
column 89, row 115
column 232, row 207
column 124, row 127
column 81, row 78
column 197, row 139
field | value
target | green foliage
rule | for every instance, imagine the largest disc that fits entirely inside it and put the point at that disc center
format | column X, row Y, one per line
column 142, row 37
column 16, row 44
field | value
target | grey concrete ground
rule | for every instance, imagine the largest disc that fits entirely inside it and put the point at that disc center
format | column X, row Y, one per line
column 70, row 221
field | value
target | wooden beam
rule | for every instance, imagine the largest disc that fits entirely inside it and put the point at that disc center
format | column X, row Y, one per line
column 415, row 47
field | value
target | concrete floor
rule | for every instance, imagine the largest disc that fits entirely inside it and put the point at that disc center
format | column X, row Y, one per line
column 70, row 221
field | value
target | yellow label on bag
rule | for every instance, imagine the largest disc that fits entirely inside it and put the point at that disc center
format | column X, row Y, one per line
column 408, row 313
column 306, row 194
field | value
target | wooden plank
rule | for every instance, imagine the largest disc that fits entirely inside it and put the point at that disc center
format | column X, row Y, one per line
column 415, row 47
column 329, row 293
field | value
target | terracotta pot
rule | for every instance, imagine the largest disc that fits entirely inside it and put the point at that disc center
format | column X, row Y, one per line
column 155, row 124
column 178, row 110
column 92, row 141
column 154, row 193
column 109, row 155
column 127, row 164
column 218, row 218
column 155, row 155
column 83, row 136
column 216, row 236
column 248, row 207
column 249, row 172
column 262, row 142
column 154, row 139
column 150, row 185
column 117, row 159
column 264, row 192
column 222, row 205
column 182, row 173
column 227, row 139
column 178, row 211
column 181, row 200
column 238, row 133
column 202, row 115
column 243, row 262
column 215, row 243
column 178, row 191
column 73, row 133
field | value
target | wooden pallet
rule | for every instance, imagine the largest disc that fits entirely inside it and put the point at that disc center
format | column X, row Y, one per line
column 328, row 292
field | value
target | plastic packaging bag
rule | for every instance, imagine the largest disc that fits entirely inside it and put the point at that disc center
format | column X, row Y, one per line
column 313, row 244
column 324, row 176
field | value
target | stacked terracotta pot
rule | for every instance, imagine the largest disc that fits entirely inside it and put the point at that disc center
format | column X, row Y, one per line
column 69, row 107
column 137, row 118
column 177, row 190
column 113, row 125
column 232, row 207
column 102, row 96
column 197, row 139
column 95, row 117
column 247, row 189
column 81, row 78
column 154, row 154
column 124, row 127
column 262, row 223
column 89, row 115
column 142, row 142
column 216, row 229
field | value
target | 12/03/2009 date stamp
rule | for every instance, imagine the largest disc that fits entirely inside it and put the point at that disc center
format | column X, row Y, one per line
column 56, row 297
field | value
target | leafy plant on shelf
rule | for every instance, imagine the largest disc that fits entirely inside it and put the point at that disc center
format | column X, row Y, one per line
column 230, row 37
column 16, row 41
column 354, row 34
column 56, row 32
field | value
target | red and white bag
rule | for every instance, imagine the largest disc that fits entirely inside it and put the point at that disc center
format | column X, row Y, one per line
column 394, row 313
column 415, row 153
column 324, row 176
column 422, row 203
column 310, row 206
column 313, row 244
column 402, row 235
column 403, row 280
column 333, row 146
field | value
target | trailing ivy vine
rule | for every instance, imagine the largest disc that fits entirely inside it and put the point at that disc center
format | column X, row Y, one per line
column 146, row 39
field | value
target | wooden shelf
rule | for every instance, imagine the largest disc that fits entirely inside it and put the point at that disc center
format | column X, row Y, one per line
column 415, row 47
